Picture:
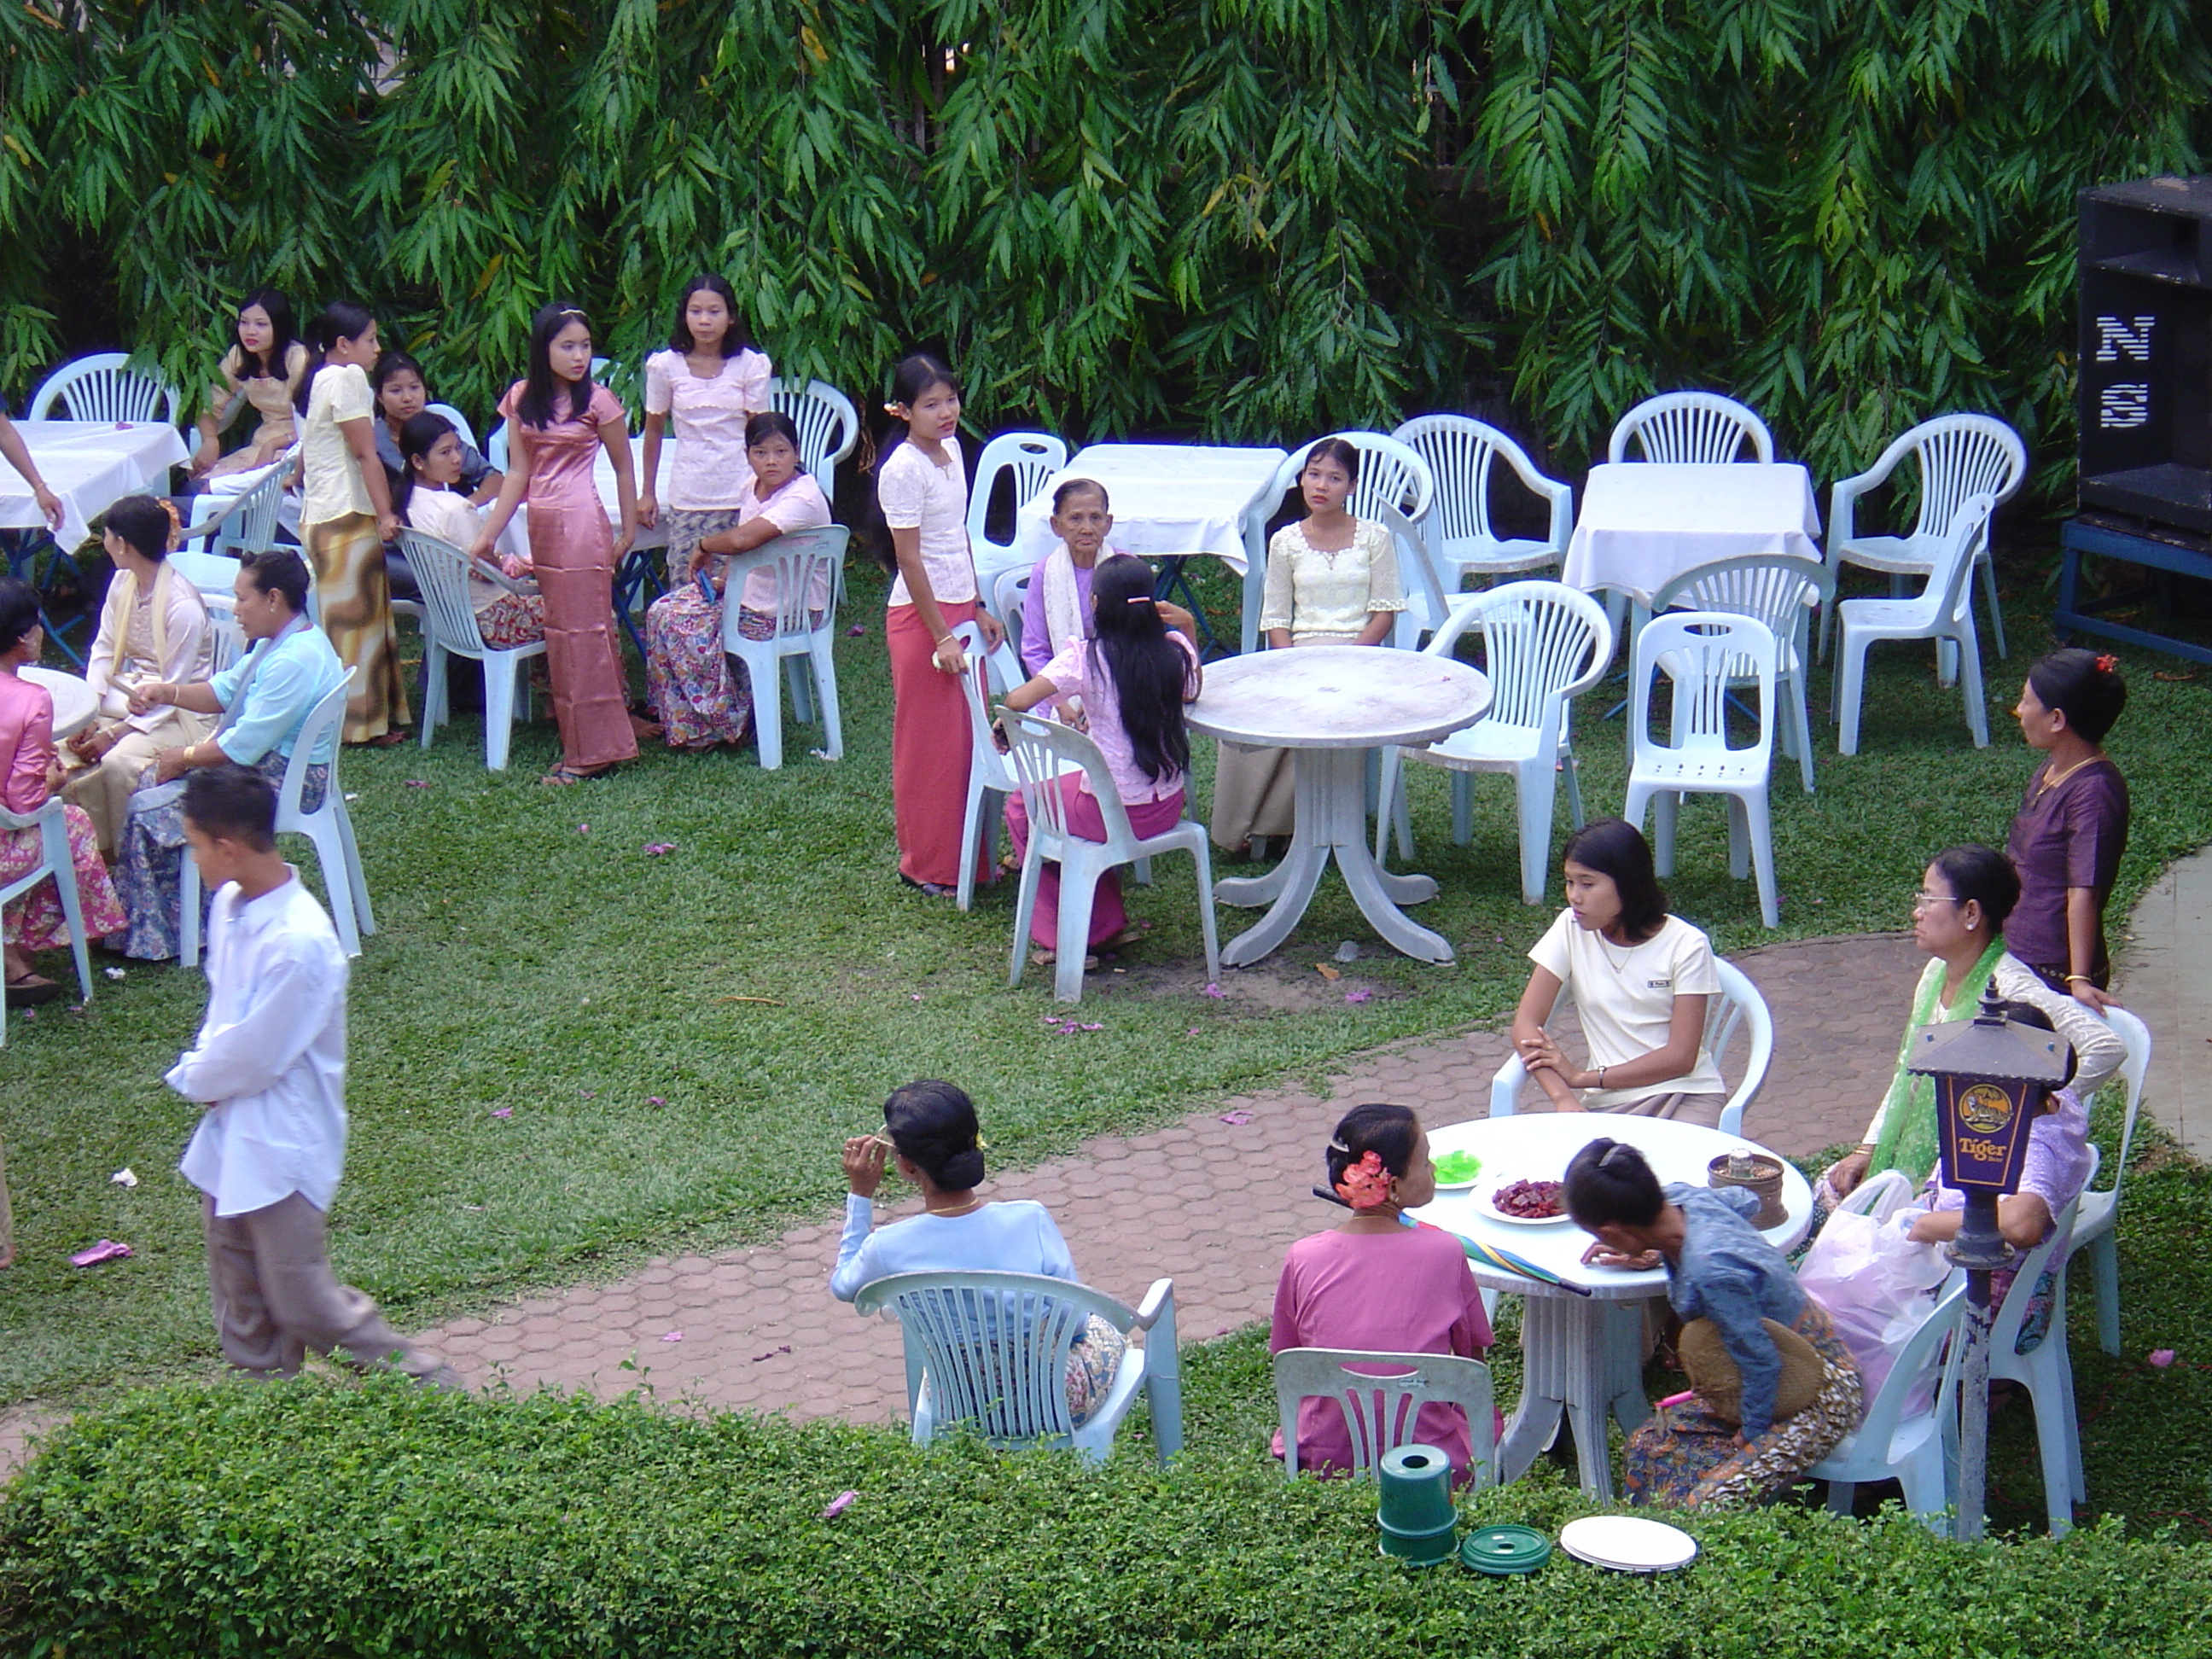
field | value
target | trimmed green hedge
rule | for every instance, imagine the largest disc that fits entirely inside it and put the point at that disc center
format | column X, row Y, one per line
column 338, row 1520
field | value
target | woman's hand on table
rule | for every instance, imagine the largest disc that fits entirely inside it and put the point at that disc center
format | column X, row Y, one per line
column 51, row 505
column 1601, row 1255
column 865, row 1157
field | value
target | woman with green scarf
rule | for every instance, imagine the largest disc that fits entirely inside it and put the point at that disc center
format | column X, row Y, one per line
column 1957, row 919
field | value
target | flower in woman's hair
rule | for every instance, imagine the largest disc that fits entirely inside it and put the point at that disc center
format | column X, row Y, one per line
column 2107, row 664
column 1365, row 1185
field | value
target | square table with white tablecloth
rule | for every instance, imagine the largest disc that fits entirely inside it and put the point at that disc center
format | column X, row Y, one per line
column 1644, row 523
column 1169, row 500
column 91, row 465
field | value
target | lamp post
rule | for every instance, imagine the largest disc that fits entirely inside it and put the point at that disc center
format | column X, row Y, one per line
column 1990, row 1076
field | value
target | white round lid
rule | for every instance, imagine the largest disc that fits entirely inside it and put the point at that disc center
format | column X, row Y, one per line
column 1621, row 1541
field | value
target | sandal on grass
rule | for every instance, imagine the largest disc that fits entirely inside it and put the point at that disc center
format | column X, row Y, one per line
column 384, row 740
column 31, row 991
column 564, row 775
column 1040, row 957
column 929, row 889
column 1122, row 941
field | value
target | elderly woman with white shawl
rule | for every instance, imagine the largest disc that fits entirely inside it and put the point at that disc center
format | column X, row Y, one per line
column 152, row 626
column 1058, row 608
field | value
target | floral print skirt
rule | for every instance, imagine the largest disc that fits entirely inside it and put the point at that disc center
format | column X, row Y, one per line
column 512, row 620
column 701, row 696
column 34, row 921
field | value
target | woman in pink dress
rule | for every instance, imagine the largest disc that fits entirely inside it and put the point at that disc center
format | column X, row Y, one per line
column 29, row 775
column 1379, row 1283
column 557, row 421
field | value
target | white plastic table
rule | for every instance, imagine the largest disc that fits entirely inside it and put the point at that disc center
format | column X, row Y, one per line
column 1332, row 704
column 90, row 465
column 74, row 703
column 1169, row 500
column 1644, row 523
column 515, row 539
column 1582, row 1356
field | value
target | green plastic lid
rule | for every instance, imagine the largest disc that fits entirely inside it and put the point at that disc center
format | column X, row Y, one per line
column 1504, row 1550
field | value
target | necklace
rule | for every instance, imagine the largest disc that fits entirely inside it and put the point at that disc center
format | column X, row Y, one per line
column 2051, row 781
column 1605, row 945
column 958, row 1209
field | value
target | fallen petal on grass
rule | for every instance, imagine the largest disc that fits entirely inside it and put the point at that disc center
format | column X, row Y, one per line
column 655, row 1100
column 1359, row 996
column 1212, row 990
column 672, row 1336
column 503, row 1111
column 2161, row 1358
column 844, row 1501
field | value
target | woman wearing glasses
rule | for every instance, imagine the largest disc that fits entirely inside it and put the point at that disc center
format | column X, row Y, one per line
column 1957, row 919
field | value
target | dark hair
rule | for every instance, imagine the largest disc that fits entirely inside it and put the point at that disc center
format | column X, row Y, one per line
column 283, row 333
column 771, row 423
column 2084, row 686
column 911, row 376
column 392, row 363
column 708, row 282
column 18, row 610
column 1389, row 1132
column 144, row 523
column 1984, row 875
column 1339, row 450
column 278, row 570
column 934, row 1123
column 2027, row 1013
column 1149, row 670
column 540, row 384
column 1079, row 487
column 233, row 803
column 1616, row 847
column 1609, row 1183
column 341, row 319
column 418, row 436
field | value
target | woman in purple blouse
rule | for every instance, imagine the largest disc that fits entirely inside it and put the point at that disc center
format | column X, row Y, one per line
column 2066, row 839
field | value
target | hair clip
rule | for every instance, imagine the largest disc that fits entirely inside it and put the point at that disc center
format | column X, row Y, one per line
column 2108, row 664
column 1619, row 1148
column 571, row 311
column 1138, row 598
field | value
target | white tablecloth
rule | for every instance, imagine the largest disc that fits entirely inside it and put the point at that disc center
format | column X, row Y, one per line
column 90, row 465
column 1644, row 523
column 1168, row 498
column 74, row 703
column 515, row 539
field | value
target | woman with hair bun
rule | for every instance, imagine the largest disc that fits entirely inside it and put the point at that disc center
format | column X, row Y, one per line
column 1380, row 1282
column 931, row 1135
column 2068, row 837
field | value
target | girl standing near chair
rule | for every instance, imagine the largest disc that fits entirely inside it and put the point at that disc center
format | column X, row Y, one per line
column 922, row 488
column 346, row 517
column 559, row 421
column 702, row 696
column 265, row 367
column 708, row 382
column 1133, row 678
column 2068, row 837
column 1641, row 980
column 432, row 500
column 1332, row 580
column 1379, row 1283
column 931, row 1135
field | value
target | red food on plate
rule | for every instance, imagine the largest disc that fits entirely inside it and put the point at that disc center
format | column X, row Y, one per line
column 1531, row 1200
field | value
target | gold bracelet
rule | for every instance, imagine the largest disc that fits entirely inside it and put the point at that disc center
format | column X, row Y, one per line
column 2080, row 979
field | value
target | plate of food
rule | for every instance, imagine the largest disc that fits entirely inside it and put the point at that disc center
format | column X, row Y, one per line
column 1525, row 1203
column 1456, row 1171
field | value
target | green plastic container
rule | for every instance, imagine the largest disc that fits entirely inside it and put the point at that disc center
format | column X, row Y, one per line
column 1430, row 1549
column 1501, row 1552
column 1420, row 1525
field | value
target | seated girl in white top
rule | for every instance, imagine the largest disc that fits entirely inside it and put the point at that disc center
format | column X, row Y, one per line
column 931, row 1135
column 431, row 498
column 1640, row 980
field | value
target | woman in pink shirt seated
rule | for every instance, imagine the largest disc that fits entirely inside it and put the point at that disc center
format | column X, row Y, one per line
column 1379, row 1283
column 1133, row 678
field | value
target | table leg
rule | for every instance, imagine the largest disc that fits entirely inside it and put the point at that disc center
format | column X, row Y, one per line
column 1579, row 1359
column 1175, row 579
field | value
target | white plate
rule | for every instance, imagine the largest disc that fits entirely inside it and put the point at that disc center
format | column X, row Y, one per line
column 1627, row 1545
column 1484, row 1204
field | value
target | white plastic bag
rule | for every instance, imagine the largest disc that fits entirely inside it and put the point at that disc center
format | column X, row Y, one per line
column 1877, row 1283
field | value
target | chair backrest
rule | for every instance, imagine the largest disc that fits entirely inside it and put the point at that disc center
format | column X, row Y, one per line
column 2133, row 1069
column 1462, row 453
column 1544, row 644
column 103, row 387
column 1391, row 474
column 2004, row 1330
column 1691, row 426
column 248, row 524
column 1030, row 457
column 975, row 688
column 1039, row 752
column 319, row 727
column 1706, row 652
column 807, row 564
column 443, row 571
column 1925, row 1374
column 467, row 433
column 496, row 447
column 1779, row 589
column 1382, row 1412
column 828, row 426
column 1008, row 595
column 993, row 1345
column 1428, row 604
column 1960, row 456
column 1950, row 592
column 1740, row 1007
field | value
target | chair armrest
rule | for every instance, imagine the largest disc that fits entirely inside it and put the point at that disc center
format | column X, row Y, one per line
column 1157, row 1300
column 51, row 806
column 1505, row 1088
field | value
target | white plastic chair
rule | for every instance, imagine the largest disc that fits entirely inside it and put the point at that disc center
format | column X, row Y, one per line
column 1462, row 455
column 103, row 387
column 1704, row 653
column 1893, row 1442
column 2097, row 1221
column 1031, row 457
column 54, row 860
column 990, row 780
column 1383, row 1412
column 1944, row 613
column 450, row 629
column 1959, row 456
column 1691, row 428
column 2047, row 1371
column 1545, row 644
column 1781, row 591
column 246, row 522
column 1008, row 594
column 805, row 562
column 327, row 827
column 990, row 1350
column 1431, row 598
column 828, row 426
column 1391, row 474
column 1040, row 751
column 494, row 449
column 462, row 429
column 1739, row 1007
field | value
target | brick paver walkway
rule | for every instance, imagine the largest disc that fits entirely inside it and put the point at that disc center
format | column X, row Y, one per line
column 760, row 1330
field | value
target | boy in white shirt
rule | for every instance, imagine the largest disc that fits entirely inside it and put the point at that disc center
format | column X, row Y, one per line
column 269, row 1065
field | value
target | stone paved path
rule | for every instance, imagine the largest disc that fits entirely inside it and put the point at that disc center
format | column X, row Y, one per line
column 761, row 1331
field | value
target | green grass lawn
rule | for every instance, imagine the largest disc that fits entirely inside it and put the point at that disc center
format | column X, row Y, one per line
column 532, row 956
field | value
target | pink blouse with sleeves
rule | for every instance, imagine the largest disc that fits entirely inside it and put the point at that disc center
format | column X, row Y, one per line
column 27, row 742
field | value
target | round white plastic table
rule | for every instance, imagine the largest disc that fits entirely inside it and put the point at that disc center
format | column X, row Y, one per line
column 1331, row 704
column 91, row 465
column 1581, row 1356
column 74, row 703
column 1644, row 523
